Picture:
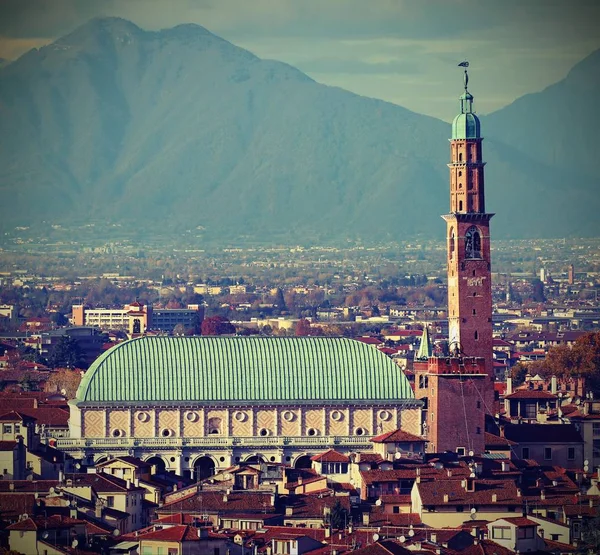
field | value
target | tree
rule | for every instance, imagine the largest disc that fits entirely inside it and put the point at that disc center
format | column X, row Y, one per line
column 59, row 319
column 179, row 329
column 217, row 325
column 64, row 379
column 582, row 359
column 66, row 354
column 302, row 328
column 339, row 516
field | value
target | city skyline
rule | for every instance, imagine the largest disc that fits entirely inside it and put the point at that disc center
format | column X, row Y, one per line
column 400, row 52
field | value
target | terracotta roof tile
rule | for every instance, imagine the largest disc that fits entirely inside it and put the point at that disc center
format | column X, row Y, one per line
column 397, row 436
column 330, row 456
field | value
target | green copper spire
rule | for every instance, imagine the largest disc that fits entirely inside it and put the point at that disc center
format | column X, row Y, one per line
column 425, row 351
column 466, row 124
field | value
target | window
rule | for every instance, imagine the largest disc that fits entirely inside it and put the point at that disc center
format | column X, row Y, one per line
column 596, row 447
column 17, row 429
column 474, row 312
column 548, row 453
column 396, row 509
column 530, row 410
column 173, row 551
column 571, row 453
column 526, row 533
column 110, row 500
column 478, row 430
column 596, row 428
column 478, row 404
column 460, row 451
column 525, row 452
column 476, row 335
column 7, row 428
column 423, row 381
column 501, row 533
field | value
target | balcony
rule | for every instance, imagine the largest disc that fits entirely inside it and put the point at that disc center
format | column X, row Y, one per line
column 211, row 442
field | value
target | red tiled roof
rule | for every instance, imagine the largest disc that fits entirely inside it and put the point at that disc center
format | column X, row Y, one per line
column 211, row 501
column 520, row 521
column 492, row 441
column 397, row 436
column 14, row 416
column 52, row 522
column 531, row 394
column 331, row 456
column 435, row 492
column 14, row 504
column 8, row 445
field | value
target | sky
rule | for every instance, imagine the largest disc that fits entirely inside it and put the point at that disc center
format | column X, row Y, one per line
column 401, row 51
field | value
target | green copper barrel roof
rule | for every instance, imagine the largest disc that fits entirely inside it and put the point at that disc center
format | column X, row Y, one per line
column 242, row 369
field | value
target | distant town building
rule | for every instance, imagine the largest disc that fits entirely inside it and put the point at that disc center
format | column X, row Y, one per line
column 137, row 318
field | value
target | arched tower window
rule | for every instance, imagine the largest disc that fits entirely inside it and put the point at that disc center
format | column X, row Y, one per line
column 473, row 243
column 452, row 246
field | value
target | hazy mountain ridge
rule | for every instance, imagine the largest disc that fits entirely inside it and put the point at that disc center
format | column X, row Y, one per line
column 179, row 128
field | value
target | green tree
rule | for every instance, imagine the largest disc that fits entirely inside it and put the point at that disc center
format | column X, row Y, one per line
column 339, row 516
column 66, row 354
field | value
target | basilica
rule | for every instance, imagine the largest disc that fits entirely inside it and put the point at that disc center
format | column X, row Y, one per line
column 194, row 405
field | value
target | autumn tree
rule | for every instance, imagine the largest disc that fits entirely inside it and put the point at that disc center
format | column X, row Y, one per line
column 217, row 325
column 64, row 379
column 582, row 359
column 302, row 328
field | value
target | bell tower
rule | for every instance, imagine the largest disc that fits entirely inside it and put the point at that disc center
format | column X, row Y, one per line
column 468, row 240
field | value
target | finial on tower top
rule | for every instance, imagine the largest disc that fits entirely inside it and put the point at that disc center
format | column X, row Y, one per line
column 465, row 64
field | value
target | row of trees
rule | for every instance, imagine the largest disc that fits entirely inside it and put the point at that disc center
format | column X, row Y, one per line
column 581, row 359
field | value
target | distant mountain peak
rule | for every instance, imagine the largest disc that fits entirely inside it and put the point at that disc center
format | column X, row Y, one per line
column 115, row 27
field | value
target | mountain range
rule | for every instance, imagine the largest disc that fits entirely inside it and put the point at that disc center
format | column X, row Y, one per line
column 176, row 130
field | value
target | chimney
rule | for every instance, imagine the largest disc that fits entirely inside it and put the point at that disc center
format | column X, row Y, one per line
column 128, row 482
column 289, row 510
column 446, row 498
column 542, row 494
column 449, row 472
column 501, row 431
column 505, row 467
column 591, row 502
column 73, row 512
column 433, row 537
column 366, row 519
column 136, row 482
column 61, row 476
column 98, row 509
column 11, row 486
column 327, row 532
column 518, row 492
column 509, row 388
column 418, row 470
column 494, row 498
column 553, row 385
column 225, row 498
column 203, row 532
column 299, row 480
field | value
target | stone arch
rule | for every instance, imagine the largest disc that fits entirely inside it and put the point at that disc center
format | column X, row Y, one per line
column 257, row 458
column 157, row 461
column 473, row 242
column 303, row 461
column 204, row 467
column 101, row 458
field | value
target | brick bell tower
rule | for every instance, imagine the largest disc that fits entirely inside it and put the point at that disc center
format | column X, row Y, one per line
column 468, row 241
column 458, row 389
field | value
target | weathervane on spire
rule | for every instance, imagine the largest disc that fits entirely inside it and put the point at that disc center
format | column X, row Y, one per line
column 465, row 64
